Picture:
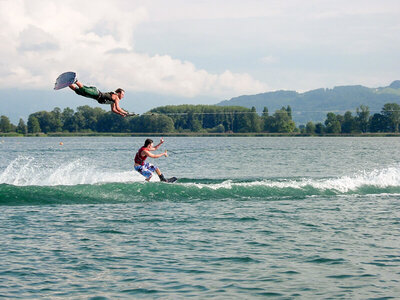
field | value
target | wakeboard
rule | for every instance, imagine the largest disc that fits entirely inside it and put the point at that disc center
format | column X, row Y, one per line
column 172, row 179
column 64, row 80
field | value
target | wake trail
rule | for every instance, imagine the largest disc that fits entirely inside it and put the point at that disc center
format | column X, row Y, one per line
column 28, row 171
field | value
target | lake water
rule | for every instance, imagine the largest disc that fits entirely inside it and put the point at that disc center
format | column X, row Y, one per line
column 249, row 218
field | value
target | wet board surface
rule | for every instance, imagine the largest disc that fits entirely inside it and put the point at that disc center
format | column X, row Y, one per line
column 64, row 80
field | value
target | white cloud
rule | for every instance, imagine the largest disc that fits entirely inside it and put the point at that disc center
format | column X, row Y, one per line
column 318, row 40
column 95, row 38
column 239, row 9
column 34, row 39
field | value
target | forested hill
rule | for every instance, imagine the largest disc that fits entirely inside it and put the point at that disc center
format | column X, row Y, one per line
column 314, row 105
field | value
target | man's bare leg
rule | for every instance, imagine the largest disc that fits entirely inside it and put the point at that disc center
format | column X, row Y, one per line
column 160, row 175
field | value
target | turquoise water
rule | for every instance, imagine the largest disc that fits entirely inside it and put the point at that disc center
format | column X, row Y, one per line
column 249, row 218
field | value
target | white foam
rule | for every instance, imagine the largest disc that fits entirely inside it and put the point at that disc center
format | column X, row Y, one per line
column 25, row 171
column 383, row 178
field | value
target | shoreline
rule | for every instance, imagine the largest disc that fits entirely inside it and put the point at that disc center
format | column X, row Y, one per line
column 190, row 134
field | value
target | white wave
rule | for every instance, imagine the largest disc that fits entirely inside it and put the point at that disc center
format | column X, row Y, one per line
column 383, row 178
column 26, row 171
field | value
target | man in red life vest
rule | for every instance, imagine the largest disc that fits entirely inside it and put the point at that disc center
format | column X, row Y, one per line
column 147, row 169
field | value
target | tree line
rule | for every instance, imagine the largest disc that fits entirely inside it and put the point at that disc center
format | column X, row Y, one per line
column 387, row 121
column 203, row 119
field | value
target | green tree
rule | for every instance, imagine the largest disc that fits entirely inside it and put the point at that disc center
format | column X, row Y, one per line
column 67, row 119
column 152, row 123
column 362, row 119
column 349, row 123
column 90, row 116
column 289, row 111
column 199, row 117
column 218, row 129
column 310, row 128
column 22, row 128
column 267, row 120
column 79, row 121
column 319, row 128
column 164, row 124
column 193, row 122
column 392, row 112
column 281, row 122
column 379, row 123
column 5, row 124
column 110, row 122
column 48, row 122
column 33, row 124
column 332, row 123
column 265, row 112
column 255, row 121
column 57, row 124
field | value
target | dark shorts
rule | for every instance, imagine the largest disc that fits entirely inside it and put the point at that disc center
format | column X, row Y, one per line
column 94, row 93
column 146, row 170
column 88, row 91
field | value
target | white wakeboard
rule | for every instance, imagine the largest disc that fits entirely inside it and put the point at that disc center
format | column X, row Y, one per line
column 64, row 80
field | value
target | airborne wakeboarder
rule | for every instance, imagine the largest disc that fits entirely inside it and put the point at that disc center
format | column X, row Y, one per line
column 69, row 79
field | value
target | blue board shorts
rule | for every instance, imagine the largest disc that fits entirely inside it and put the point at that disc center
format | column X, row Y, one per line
column 146, row 170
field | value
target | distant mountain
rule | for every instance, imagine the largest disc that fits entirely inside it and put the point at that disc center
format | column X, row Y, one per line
column 314, row 105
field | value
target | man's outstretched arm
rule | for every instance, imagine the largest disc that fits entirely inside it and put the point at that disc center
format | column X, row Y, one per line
column 149, row 154
column 115, row 107
column 115, row 110
column 158, row 146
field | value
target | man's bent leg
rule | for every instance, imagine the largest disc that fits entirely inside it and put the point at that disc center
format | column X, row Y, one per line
column 144, row 171
column 147, row 171
column 160, row 175
column 87, row 91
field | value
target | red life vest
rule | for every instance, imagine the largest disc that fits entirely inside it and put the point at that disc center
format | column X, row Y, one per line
column 139, row 159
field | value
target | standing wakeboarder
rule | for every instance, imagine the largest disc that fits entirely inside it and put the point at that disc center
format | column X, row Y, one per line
column 147, row 169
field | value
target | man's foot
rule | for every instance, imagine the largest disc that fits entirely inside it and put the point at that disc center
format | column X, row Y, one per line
column 162, row 178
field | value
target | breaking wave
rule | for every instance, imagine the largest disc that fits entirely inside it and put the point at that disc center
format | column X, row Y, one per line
column 26, row 182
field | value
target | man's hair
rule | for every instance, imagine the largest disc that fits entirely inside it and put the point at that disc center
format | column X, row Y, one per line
column 147, row 142
column 119, row 90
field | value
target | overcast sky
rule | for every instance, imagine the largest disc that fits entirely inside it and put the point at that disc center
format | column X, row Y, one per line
column 210, row 48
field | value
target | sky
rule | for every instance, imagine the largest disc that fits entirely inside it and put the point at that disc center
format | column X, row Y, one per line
column 203, row 52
